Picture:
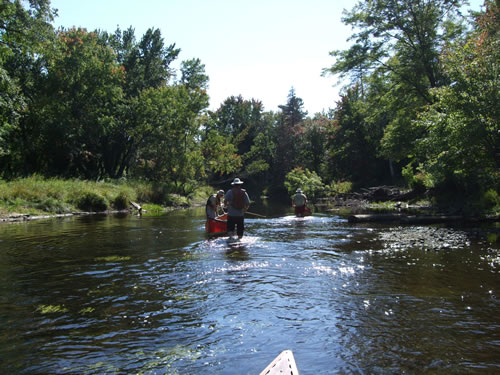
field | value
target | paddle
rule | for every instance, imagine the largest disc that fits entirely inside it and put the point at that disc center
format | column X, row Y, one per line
column 251, row 213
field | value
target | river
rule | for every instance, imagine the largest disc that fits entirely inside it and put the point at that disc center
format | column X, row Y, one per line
column 152, row 295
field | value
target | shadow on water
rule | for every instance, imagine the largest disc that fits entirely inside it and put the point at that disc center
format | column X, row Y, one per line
column 154, row 295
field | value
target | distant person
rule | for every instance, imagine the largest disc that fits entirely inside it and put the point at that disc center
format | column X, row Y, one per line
column 237, row 201
column 214, row 206
column 299, row 201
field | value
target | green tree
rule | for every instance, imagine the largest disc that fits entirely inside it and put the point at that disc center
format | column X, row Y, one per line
column 403, row 37
column 167, row 132
column 312, row 148
column 220, row 154
column 146, row 63
column 397, row 46
column 76, row 108
column 193, row 75
column 461, row 148
column 287, row 133
column 25, row 33
column 259, row 160
column 238, row 119
column 309, row 182
column 241, row 122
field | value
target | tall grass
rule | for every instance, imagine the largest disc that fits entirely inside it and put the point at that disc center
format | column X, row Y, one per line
column 37, row 195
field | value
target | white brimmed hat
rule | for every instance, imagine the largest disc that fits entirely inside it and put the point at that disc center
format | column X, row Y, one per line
column 299, row 191
column 220, row 192
column 236, row 181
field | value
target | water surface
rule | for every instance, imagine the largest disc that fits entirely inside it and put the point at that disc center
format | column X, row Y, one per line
column 153, row 295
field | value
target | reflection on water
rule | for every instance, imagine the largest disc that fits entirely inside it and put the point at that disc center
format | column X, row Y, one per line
column 153, row 295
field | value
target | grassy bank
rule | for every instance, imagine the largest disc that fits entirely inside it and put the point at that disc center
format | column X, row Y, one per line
column 41, row 196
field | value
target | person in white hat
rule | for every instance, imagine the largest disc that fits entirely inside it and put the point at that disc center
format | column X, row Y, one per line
column 237, row 201
column 299, row 201
column 214, row 205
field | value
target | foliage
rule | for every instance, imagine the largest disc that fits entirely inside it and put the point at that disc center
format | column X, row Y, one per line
column 152, row 209
column 177, row 200
column 416, row 178
column 341, row 187
column 490, row 201
column 75, row 110
column 308, row 181
column 393, row 63
column 25, row 35
column 220, row 154
column 168, row 117
column 122, row 201
column 423, row 93
column 37, row 194
column 353, row 140
column 401, row 37
column 288, row 134
column 461, row 149
column 312, row 148
column 53, row 205
column 91, row 201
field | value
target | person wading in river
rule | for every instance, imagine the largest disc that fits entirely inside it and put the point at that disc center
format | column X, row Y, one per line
column 214, row 207
column 237, row 201
column 299, row 201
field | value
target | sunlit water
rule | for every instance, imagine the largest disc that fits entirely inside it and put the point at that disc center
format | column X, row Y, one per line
column 153, row 295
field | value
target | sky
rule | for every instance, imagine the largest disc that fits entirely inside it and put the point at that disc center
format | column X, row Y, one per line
column 258, row 49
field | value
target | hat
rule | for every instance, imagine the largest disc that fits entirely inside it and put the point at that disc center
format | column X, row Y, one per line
column 299, row 191
column 220, row 192
column 236, row 181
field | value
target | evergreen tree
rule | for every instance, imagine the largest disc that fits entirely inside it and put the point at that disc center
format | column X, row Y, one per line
column 288, row 135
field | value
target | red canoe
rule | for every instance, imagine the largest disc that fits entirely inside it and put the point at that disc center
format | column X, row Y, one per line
column 305, row 212
column 217, row 226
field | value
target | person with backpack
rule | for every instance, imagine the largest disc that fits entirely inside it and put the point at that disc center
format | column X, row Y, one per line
column 237, row 201
column 299, row 201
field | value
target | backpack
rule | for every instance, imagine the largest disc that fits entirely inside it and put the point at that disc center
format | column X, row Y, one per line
column 238, row 199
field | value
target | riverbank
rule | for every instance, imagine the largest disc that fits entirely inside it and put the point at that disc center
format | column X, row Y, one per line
column 36, row 197
column 40, row 198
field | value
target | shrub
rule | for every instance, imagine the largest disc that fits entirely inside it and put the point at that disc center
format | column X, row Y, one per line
column 308, row 181
column 177, row 200
column 416, row 180
column 90, row 201
column 342, row 187
column 121, row 201
column 490, row 201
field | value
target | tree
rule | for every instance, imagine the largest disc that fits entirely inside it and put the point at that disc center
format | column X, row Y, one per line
column 312, row 149
column 146, row 65
column 220, row 154
column 398, row 43
column 193, row 75
column 403, row 37
column 25, row 33
column 239, row 122
column 167, row 133
column 309, row 182
column 75, row 109
column 461, row 148
column 288, row 130
column 259, row 160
